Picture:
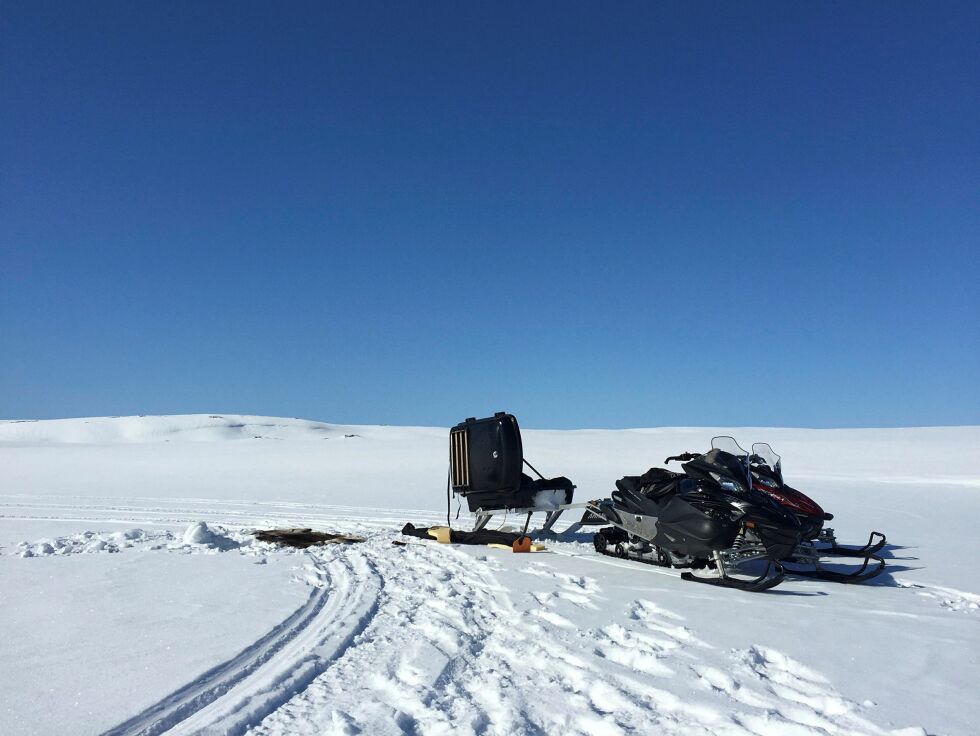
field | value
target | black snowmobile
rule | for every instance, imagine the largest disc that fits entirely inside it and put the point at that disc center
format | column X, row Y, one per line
column 708, row 518
column 817, row 540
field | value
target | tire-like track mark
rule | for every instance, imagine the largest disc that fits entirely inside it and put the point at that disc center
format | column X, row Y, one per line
column 243, row 690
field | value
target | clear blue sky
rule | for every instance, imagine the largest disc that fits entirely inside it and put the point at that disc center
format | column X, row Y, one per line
column 592, row 215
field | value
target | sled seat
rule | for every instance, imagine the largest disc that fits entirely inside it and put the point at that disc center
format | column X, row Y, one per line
column 486, row 467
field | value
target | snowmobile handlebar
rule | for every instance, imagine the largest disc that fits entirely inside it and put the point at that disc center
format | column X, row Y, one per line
column 683, row 458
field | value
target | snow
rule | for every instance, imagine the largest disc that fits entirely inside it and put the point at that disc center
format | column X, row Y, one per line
column 201, row 533
column 135, row 599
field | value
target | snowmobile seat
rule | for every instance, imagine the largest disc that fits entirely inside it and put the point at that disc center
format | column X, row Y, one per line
column 635, row 502
column 654, row 484
column 486, row 467
column 628, row 483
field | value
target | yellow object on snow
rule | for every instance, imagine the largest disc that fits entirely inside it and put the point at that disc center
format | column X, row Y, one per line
column 440, row 534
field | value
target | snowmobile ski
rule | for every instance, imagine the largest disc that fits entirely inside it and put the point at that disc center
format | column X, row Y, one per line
column 871, row 566
column 759, row 584
column 861, row 575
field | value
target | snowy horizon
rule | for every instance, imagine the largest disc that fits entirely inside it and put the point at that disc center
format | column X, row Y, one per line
column 216, row 414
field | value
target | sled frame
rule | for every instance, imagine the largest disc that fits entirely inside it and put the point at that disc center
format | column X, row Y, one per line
column 552, row 513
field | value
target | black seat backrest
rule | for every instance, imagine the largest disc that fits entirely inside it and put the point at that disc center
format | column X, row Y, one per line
column 628, row 483
column 653, row 484
column 635, row 503
column 486, row 454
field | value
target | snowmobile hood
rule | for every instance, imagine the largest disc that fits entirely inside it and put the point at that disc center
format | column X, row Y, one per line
column 793, row 499
column 718, row 462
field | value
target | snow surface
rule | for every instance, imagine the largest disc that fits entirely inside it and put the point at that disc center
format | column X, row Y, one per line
column 135, row 599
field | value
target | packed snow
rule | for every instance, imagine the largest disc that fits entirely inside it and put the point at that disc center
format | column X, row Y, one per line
column 136, row 600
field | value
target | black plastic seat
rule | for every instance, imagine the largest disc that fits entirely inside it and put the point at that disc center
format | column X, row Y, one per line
column 654, row 484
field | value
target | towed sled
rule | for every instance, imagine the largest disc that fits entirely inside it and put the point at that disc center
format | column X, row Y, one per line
column 486, row 467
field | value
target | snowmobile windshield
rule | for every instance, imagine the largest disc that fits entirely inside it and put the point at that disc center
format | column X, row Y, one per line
column 719, row 466
column 729, row 445
column 763, row 453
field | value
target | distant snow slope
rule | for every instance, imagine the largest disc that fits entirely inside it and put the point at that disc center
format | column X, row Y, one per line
column 186, row 428
column 135, row 600
column 245, row 457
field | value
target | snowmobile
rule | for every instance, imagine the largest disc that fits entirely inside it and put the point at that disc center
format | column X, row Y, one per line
column 708, row 518
column 817, row 541
column 765, row 473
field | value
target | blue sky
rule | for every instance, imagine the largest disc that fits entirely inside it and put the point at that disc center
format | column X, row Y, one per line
column 588, row 214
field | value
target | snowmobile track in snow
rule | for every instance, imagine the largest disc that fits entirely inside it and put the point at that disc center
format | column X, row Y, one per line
column 240, row 692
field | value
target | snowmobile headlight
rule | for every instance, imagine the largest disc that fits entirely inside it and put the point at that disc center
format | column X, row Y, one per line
column 767, row 482
column 727, row 484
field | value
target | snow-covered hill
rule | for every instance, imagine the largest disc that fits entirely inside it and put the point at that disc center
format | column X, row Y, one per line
column 116, row 618
column 182, row 428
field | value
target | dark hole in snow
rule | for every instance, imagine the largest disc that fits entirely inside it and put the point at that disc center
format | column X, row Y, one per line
column 303, row 538
column 352, row 435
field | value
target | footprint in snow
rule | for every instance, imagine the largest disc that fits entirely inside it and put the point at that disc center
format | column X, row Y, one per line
column 664, row 623
column 643, row 610
column 633, row 650
column 553, row 618
column 799, row 694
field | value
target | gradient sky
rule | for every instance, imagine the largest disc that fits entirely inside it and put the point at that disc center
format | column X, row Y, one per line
column 589, row 214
